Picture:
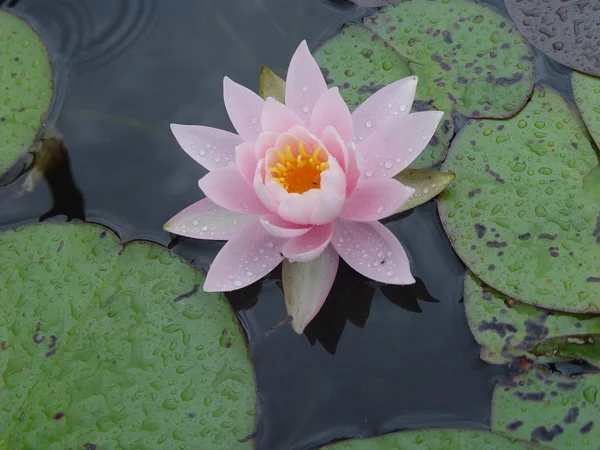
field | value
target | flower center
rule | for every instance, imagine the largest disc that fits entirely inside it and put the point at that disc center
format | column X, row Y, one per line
column 297, row 170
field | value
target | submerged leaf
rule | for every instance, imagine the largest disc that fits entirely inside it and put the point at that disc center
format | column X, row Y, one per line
column 104, row 345
column 467, row 55
column 426, row 183
column 508, row 329
column 26, row 86
column 586, row 90
column 434, row 439
column 557, row 411
column 361, row 63
column 522, row 212
column 271, row 85
column 566, row 31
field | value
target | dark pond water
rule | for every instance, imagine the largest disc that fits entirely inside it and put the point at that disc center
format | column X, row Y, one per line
column 377, row 358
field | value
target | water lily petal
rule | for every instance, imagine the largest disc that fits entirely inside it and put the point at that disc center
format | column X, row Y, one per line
column 331, row 109
column 355, row 168
column 327, row 208
column 372, row 250
column 395, row 145
column 247, row 257
column 302, row 134
column 207, row 220
column 261, row 190
column 264, row 142
column 245, row 161
column 335, row 146
column 374, row 199
column 298, row 208
column 282, row 228
column 389, row 102
column 306, row 285
column 310, row 245
column 228, row 189
column 210, row 147
column 304, row 83
column 278, row 118
column 244, row 108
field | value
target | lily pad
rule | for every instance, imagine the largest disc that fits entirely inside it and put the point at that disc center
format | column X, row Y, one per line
column 522, row 212
column 26, row 83
column 105, row 346
column 361, row 63
column 426, row 183
column 586, row 90
column 565, row 31
column 560, row 412
column 434, row 439
column 508, row 329
column 467, row 55
column 372, row 3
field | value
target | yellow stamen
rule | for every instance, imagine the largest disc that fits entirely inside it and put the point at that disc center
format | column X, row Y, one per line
column 298, row 170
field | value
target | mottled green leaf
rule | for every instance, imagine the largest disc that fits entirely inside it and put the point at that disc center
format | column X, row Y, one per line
column 361, row 63
column 435, row 439
column 566, row 31
column 467, row 55
column 271, row 85
column 546, row 407
column 586, row 90
column 522, row 212
column 508, row 329
column 426, row 183
column 104, row 346
column 26, row 86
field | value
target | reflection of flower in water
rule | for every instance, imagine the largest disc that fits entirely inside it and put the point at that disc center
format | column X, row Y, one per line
column 304, row 182
column 90, row 34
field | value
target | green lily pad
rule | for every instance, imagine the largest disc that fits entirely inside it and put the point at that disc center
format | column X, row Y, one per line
column 26, row 83
column 546, row 407
column 586, row 90
column 467, row 55
column 522, row 212
column 434, row 439
column 105, row 346
column 426, row 183
column 360, row 63
column 508, row 329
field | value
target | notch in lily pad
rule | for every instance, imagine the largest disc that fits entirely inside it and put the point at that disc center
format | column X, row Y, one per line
column 27, row 87
column 99, row 334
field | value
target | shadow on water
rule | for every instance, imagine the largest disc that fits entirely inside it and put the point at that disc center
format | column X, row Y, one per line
column 376, row 358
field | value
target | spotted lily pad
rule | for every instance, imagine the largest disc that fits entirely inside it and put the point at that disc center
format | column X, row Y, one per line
column 467, row 55
column 105, row 346
column 547, row 407
column 587, row 96
column 508, row 329
column 522, row 212
column 426, row 183
column 566, row 31
column 372, row 3
column 434, row 439
column 26, row 84
column 361, row 63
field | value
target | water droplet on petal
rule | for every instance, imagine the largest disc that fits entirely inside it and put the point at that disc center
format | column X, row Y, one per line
column 194, row 222
column 304, row 88
column 270, row 244
column 410, row 150
column 369, row 173
column 305, row 109
column 204, row 228
column 388, row 164
column 368, row 124
column 254, row 120
column 237, row 283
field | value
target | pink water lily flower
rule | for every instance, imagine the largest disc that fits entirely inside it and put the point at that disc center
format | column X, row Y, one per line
column 305, row 182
